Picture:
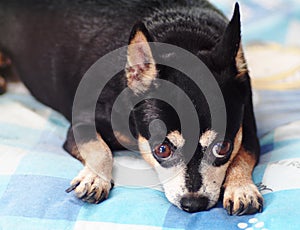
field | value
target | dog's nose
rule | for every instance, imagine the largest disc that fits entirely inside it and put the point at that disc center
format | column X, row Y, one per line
column 194, row 203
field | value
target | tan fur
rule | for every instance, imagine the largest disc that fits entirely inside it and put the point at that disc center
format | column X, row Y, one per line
column 241, row 63
column 176, row 138
column 97, row 156
column 97, row 173
column 123, row 139
column 207, row 138
column 239, row 187
column 75, row 153
column 237, row 143
column 241, row 167
column 140, row 67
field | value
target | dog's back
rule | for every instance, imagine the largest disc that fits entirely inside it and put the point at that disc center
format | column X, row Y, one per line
column 53, row 43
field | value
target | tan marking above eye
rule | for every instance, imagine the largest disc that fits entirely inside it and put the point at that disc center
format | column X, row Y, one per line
column 176, row 138
column 207, row 138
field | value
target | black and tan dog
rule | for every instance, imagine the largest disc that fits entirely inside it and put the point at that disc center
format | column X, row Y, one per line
column 53, row 43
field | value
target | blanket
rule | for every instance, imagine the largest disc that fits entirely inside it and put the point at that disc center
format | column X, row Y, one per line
column 35, row 171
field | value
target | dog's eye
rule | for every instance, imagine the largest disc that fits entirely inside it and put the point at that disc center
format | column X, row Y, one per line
column 221, row 149
column 163, row 151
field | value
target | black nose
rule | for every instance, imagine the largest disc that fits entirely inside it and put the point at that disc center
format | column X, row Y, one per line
column 194, row 203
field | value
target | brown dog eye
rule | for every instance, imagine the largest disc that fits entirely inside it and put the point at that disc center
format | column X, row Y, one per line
column 163, row 151
column 221, row 149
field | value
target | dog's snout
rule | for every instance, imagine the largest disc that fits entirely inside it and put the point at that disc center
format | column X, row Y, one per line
column 194, row 203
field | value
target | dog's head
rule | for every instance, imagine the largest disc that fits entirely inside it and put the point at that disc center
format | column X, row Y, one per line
column 192, row 181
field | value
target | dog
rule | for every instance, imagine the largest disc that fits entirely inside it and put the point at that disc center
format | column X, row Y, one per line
column 52, row 44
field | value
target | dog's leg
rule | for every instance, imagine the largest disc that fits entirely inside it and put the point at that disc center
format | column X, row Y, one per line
column 241, row 196
column 94, row 182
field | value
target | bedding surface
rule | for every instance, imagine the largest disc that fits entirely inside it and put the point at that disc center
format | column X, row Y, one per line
column 35, row 171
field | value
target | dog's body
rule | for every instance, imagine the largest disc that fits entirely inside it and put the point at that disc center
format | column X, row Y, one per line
column 53, row 43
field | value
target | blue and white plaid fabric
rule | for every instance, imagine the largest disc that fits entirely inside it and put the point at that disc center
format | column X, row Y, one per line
column 35, row 170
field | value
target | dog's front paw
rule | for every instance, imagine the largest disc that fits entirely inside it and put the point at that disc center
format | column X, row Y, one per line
column 90, row 187
column 241, row 199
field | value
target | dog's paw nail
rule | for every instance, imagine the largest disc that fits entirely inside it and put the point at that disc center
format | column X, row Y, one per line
column 112, row 184
column 90, row 187
column 82, row 192
column 240, row 210
column 90, row 196
column 229, row 207
column 72, row 187
column 243, row 200
column 102, row 197
column 246, row 210
column 261, row 205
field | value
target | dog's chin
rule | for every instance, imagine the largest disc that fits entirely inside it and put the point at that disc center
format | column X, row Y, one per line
column 174, row 199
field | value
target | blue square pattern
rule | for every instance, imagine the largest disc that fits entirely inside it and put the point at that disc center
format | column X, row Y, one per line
column 133, row 206
column 216, row 218
column 279, row 213
column 30, row 223
column 3, row 185
column 46, row 198
column 49, row 164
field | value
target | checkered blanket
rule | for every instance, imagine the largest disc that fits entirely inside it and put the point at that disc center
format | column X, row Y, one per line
column 35, row 171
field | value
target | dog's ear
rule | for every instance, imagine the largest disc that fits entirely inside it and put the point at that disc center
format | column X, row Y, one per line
column 140, row 68
column 226, row 51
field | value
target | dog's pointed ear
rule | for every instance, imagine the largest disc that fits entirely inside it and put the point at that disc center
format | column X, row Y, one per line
column 140, row 67
column 227, row 49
